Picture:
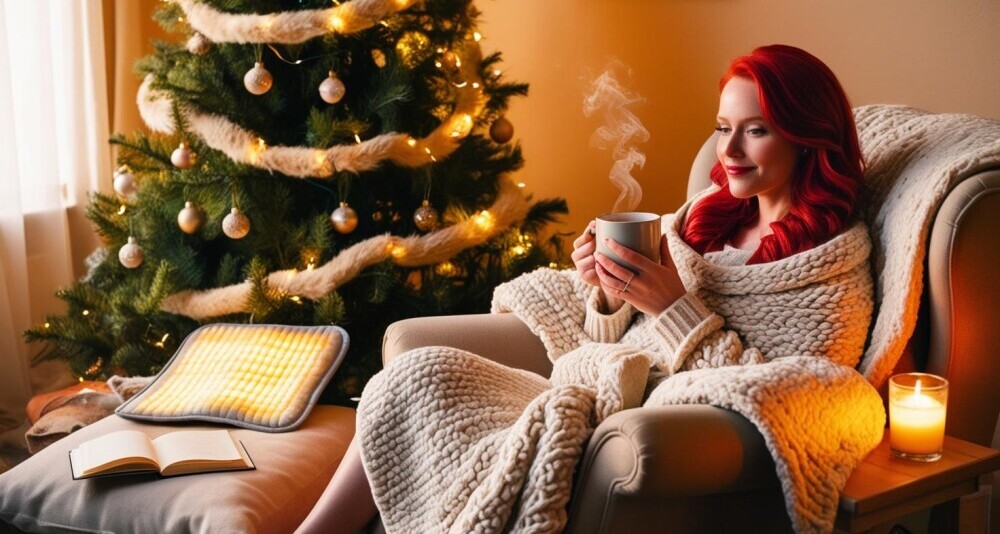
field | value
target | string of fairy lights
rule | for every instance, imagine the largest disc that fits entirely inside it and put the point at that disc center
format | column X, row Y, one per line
column 460, row 64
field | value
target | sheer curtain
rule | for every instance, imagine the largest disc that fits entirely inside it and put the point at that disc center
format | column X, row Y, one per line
column 53, row 153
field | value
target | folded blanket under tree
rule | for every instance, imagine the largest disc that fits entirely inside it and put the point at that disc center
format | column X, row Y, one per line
column 454, row 443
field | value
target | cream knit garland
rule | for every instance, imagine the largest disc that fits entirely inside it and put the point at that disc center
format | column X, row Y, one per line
column 509, row 207
column 290, row 27
column 245, row 147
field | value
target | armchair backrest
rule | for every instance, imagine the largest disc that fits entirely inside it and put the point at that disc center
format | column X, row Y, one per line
column 957, row 331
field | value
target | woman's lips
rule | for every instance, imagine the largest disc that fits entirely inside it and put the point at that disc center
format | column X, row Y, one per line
column 736, row 171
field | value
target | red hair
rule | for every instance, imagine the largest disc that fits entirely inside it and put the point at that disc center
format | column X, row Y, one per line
column 804, row 102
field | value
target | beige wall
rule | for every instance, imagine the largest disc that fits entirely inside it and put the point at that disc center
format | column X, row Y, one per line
column 940, row 55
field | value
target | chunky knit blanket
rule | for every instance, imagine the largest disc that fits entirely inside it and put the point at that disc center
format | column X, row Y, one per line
column 452, row 442
column 455, row 443
column 913, row 158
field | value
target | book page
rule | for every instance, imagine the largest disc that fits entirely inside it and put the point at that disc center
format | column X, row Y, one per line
column 196, row 445
column 116, row 449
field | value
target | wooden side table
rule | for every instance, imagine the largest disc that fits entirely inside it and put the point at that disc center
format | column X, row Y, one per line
column 884, row 489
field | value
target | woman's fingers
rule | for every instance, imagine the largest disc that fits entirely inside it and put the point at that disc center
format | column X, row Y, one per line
column 582, row 252
column 617, row 271
column 586, row 236
column 631, row 257
column 607, row 279
column 665, row 259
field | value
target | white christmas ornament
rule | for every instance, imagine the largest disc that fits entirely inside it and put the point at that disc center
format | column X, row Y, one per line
column 190, row 218
column 344, row 219
column 124, row 183
column 332, row 89
column 236, row 225
column 198, row 44
column 130, row 255
column 258, row 80
column 183, row 157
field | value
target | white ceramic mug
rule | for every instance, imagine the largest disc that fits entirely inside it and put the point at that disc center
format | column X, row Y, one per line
column 635, row 230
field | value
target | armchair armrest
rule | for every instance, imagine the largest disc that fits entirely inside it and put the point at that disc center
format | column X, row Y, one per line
column 680, row 466
column 501, row 337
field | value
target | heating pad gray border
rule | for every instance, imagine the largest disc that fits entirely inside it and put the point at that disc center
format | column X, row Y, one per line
column 125, row 410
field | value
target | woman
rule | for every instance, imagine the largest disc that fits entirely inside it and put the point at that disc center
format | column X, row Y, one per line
column 787, row 178
column 788, row 171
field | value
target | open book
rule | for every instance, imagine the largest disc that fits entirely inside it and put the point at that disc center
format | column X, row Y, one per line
column 174, row 453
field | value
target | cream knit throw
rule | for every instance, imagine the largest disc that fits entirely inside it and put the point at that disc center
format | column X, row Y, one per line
column 454, row 443
column 913, row 159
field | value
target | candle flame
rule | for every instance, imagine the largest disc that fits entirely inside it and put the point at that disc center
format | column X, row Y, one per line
column 916, row 389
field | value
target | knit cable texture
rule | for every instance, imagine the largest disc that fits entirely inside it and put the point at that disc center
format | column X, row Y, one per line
column 454, row 443
column 913, row 159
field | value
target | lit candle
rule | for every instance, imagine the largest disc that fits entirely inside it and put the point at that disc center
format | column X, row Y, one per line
column 917, row 408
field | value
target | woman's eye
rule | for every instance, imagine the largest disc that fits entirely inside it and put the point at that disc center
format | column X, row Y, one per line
column 723, row 129
column 756, row 130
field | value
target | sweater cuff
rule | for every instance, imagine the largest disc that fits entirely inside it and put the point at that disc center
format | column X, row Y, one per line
column 602, row 327
column 680, row 327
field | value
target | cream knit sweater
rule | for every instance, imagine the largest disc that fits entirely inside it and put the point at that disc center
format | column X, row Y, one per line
column 455, row 443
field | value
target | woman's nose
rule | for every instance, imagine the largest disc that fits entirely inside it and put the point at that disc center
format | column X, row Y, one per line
column 733, row 145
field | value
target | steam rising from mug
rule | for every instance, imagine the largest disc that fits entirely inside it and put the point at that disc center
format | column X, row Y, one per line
column 621, row 129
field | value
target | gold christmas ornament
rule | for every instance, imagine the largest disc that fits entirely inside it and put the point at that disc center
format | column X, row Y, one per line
column 130, row 255
column 258, row 80
column 198, row 44
column 124, row 183
column 183, row 157
column 426, row 217
column 501, row 130
column 446, row 268
column 413, row 48
column 450, row 61
column 344, row 219
column 332, row 89
column 236, row 225
column 190, row 218
column 378, row 57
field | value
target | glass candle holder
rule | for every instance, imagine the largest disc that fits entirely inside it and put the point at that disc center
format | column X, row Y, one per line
column 918, row 404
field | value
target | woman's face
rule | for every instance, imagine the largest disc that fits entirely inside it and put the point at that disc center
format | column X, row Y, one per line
column 757, row 160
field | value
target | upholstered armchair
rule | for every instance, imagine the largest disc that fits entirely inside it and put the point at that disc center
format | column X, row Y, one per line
column 706, row 469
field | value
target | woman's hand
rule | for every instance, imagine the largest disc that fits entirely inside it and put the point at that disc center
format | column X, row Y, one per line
column 583, row 258
column 651, row 287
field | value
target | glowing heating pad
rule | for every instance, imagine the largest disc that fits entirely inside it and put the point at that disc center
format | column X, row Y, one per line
column 263, row 377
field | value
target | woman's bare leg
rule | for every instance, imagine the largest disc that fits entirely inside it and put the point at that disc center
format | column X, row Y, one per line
column 346, row 505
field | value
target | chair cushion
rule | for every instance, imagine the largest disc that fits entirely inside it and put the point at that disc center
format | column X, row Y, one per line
column 263, row 377
column 293, row 468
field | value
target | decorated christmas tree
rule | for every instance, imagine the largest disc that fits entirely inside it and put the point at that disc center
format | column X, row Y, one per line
column 311, row 163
